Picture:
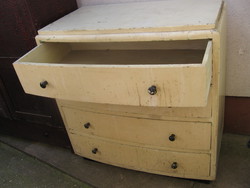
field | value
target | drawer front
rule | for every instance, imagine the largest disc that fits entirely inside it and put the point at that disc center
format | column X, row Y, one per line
column 167, row 134
column 46, row 72
column 178, row 164
column 161, row 113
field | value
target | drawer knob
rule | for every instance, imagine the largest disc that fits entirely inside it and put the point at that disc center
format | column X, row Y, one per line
column 152, row 90
column 174, row 165
column 94, row 151
column 172, row 137
column 87, row 125
column 43, row 84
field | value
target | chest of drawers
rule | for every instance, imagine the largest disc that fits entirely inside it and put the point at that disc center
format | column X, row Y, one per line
column 139, row 85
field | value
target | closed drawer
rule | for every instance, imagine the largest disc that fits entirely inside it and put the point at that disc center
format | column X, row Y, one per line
column 167, row 134
column 138, row 77
column 188, row 165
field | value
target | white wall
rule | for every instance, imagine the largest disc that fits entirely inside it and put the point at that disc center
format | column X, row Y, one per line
column 238, row 40
column 238, row 48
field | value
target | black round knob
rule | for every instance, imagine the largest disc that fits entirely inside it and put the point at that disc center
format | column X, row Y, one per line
column 174, row 165
column 87, row 125
column 152, row 90
column 172, row 137
column 94, row 151
column 43, row 84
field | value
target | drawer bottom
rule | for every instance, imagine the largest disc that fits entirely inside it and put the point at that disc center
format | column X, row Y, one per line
column 178, row 164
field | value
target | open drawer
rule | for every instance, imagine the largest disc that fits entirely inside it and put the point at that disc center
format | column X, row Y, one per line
column 147, row 74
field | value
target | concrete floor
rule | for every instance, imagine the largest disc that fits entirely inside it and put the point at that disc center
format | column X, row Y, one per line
column 233, row 170
column 18, row 169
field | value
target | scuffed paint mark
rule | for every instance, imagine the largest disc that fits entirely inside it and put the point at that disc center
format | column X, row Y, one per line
column 139, row 97
column 241, row 51
column 164, row 92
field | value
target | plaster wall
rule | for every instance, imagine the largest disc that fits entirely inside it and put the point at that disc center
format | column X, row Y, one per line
column 238, row 40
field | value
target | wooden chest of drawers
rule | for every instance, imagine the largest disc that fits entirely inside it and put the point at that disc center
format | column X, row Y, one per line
column 139, row 85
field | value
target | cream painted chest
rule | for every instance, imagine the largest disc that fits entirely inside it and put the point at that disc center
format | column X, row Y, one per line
column 139, row 85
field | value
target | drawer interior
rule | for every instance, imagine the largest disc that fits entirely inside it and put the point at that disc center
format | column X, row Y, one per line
column 126, row 53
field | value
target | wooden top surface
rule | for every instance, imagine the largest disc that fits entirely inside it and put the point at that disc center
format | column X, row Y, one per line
column 154, row 16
